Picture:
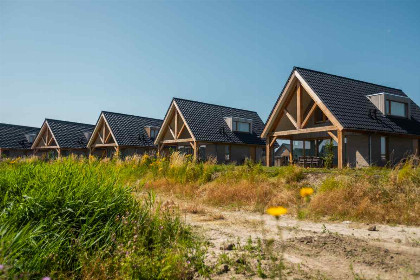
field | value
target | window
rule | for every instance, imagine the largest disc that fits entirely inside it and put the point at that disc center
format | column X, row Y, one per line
column 227, row 153
column 30, row 137
column 152, row 131
column 320, row 117
column 395, row 108
column 87, row 135
column 185, row 150
column 384, row 154
column 241, row 126
column 202, row 153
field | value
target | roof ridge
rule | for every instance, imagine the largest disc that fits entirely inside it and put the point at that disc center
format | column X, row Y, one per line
column 68, row 122
column 131, row 115
column 212, row 104
column 8, row 124
column 356, row 80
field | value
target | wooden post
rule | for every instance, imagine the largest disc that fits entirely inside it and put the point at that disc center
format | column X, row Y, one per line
column 195, row 148
column 267, row 151
column 340, row 149
column 176, row 124
column 291, row 152
column 59, row 153
column 299, row 106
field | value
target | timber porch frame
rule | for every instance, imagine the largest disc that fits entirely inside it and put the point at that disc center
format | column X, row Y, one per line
column 295, row 87
column 176, row 129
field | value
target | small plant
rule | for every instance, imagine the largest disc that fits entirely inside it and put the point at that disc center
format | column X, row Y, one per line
column 329, row 154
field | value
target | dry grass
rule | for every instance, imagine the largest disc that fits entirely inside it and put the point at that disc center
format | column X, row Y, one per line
column 391, row 197
column 372, row 194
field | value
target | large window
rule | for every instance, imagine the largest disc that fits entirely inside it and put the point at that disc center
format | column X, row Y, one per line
column 395, row 108
column 241, row 126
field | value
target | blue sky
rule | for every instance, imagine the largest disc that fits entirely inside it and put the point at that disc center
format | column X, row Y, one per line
column 71, row 59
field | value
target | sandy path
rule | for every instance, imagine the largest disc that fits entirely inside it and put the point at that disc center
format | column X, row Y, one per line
column 316, row 250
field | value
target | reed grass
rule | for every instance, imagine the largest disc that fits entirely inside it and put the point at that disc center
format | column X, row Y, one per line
column 74, row 218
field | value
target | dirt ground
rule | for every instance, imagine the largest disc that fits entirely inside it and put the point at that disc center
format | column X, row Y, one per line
column 248, row 245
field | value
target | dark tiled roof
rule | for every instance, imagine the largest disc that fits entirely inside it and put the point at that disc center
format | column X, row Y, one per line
column 70, row 134
column 207, row 122
column 129, row 130
column 13, row 136
column 347, row 100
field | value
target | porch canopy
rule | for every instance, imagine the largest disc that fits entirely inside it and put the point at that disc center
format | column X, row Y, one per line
column 300, row 116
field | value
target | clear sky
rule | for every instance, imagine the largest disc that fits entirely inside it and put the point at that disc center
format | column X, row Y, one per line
column 71, row 59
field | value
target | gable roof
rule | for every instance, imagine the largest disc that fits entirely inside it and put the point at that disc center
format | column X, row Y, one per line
column 347, row 100
column 13, row 136
column 69, row 134
column 129, row 130
column 207, row 122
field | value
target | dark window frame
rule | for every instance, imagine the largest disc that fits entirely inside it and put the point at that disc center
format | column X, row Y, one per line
column 388, row 107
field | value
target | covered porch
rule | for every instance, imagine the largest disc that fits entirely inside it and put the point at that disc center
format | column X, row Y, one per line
column 309, row 148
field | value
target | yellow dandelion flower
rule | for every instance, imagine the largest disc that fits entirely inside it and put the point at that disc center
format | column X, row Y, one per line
column 304, row 192
column 276, row 211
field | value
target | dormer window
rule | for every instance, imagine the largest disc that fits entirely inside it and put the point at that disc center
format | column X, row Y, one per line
column 30, row 137
column 152, row 131
column 239, row 124
column 87, row 134
column 391, row 104
column 395, row 108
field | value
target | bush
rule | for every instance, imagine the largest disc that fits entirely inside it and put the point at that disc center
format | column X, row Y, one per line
column 71, row 218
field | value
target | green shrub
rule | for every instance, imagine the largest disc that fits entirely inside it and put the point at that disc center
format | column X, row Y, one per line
column 74, row 219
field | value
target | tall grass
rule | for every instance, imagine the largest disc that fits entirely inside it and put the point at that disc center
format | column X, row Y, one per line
column 373, row 194
column 75, row 219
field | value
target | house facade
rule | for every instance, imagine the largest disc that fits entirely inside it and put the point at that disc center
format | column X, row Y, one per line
column 126, row 134
column 61, row 138
column 16, row 140
column 366, row 124
column 211, row 131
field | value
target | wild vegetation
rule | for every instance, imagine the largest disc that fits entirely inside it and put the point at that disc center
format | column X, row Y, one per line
column 78, row 217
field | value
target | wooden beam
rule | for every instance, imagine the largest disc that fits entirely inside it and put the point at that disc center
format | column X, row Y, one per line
column 176, row 124
column 107, row 137
column 177, row 141
column 291, row 152
column 340, row 149
column 180, row 131
column 310, row 113
column 172, row 132
column 195, row 147
column 49, row 142
column 273, row 141
column 104, row 145
column 304, row 130
column 103, row 133
column 160, row 147
column 318, row 101
column 335, row 138
column 299, row 106
column 268, row 151
column 273, row 120
column 291, row 118
column 48, row 148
